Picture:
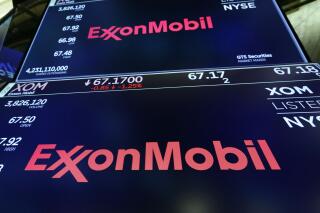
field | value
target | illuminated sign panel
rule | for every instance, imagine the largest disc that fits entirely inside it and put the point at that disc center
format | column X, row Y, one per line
column 120, row 107
column 80, row 39
column 241, row 138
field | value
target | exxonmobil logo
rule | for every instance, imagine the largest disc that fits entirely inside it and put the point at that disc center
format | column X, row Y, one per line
column 153, row 158
column 117, row 33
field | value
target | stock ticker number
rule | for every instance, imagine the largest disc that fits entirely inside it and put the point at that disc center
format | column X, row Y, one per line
column 10, row 144
column 63, row 54
column 72, row 8
column 297, row 70
column 47, row 69
column 112, row 83
column 22, row 121
column 76, row 17
column 72, row 28
column 33, row 103
column 211, row 75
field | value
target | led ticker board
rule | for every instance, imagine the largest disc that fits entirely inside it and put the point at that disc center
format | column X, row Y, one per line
column 131, row 106
column 208, row 141
column 92, row 38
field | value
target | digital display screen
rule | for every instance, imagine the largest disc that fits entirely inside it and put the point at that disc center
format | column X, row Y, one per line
column 92, row 38
column 161, row 106
column 205, row 141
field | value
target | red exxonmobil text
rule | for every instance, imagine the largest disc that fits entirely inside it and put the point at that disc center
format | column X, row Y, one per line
column 171, row 159
column 117, row 33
